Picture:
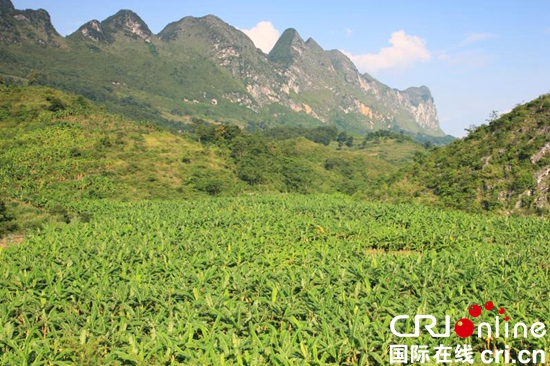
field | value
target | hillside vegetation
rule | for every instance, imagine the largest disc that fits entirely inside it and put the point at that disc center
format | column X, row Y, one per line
column 503, row 166
column 57, row 148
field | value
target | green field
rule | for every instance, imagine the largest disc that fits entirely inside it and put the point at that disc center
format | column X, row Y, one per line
column 276, row 279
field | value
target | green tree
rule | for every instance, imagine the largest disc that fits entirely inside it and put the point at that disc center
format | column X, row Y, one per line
column 297, row 175
column 34, row 77
column 7, row 223
column 56, row 104
column 322, row 135
column 342, row 137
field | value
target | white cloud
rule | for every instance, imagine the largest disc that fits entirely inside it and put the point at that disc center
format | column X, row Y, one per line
column 349, row 32
column 470, row 59
column 264, row 35
column 404, row 52
column 475, row 38
column 465, row 57
column 548, row 30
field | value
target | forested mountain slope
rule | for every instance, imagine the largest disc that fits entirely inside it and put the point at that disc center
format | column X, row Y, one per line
column 502, row 166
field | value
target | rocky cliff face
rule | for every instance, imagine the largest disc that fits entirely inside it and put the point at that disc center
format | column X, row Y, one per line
column 303, row 77
column 27, row 26
column 93, row 30
column 193, row 53
column 125, row 21
column 306, row 68
column 128, row 22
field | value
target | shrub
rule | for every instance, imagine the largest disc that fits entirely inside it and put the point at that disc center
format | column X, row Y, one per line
column 56, row 105
column 7, row 221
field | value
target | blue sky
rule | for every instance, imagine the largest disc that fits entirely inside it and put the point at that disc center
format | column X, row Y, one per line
column 475, row 56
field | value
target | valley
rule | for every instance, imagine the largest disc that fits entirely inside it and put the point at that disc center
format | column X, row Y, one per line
column 184, row 198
